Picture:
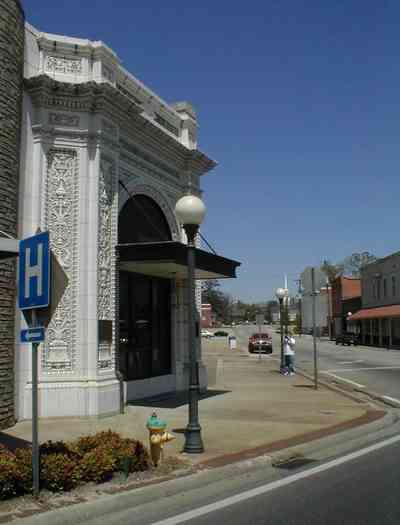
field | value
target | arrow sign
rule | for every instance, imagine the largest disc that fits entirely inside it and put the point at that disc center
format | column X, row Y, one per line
column 32, row 335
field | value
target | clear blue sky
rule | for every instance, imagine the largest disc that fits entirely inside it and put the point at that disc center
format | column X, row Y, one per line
column 298, row 101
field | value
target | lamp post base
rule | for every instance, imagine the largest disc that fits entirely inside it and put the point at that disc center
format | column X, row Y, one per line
column 193, row 441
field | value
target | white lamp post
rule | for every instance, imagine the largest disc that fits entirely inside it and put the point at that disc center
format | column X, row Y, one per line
column 281, row 294
column 190, row 211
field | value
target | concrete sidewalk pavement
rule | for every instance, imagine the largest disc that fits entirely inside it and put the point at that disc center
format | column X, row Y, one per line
column 249, row 406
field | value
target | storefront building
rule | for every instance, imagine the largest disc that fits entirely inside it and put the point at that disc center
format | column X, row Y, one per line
column 346, row 298
column 103, row 161
column 378, row 322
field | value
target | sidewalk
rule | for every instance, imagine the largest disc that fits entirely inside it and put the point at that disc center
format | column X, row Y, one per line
column 249, row 406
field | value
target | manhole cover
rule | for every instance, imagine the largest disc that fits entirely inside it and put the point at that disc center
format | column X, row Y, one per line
column 294, row 463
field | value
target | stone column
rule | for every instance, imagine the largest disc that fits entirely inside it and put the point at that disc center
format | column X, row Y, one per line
column 12, row 35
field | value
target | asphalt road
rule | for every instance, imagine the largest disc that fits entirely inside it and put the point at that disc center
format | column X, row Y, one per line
column 359, row 488
column 363, row 491
column 363, row 367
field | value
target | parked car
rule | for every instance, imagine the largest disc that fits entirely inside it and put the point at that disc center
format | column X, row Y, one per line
column 221, row 333
column 260, row 343
column 348, row 338
column 207, row 334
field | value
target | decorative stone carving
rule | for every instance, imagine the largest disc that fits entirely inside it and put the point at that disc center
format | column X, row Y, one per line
column 62, row 119
column 105, row 251
column 61, row 221
column 144, row 168
column 133, row 149
column 125, row 176
column 107, row 72
column 108, row 128
column 64, row 65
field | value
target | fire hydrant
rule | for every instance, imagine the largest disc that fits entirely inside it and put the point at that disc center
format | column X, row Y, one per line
column 158, row 436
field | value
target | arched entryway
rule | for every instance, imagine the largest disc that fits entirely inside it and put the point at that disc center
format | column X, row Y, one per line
column 145, row 301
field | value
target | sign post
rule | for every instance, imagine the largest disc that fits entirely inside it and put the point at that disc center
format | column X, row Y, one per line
column 34, row 293
column 259, row 322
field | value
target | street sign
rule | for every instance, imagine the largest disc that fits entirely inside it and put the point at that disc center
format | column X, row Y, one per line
column 259, row 319
column 32, row 335
column 34, row 272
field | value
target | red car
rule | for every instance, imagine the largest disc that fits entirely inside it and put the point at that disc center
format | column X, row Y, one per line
column 260, row 343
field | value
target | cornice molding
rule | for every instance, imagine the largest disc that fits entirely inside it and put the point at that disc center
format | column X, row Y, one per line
column 105, row 99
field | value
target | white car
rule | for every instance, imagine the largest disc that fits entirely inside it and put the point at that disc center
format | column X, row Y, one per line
column 207, row 334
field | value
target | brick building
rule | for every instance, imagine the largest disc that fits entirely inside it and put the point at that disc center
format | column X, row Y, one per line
column 378, row 321
column 206, row 316
column 346, row 297
column 12, row 61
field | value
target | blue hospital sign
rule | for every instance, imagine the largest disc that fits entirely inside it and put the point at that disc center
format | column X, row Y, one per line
column 34, row 272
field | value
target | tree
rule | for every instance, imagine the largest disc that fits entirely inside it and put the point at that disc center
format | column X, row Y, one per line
column 354, row 263
column 221, row 302
column 332, row 271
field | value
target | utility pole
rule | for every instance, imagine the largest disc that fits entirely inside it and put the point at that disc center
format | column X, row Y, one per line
column 314, row 293
column 329, row 310
column 299, row 292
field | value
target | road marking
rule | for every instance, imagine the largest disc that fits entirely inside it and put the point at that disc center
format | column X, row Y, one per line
column 269, row 487
column 392, row 399
column 350, row 362
column 361, row 369
column 343, row 379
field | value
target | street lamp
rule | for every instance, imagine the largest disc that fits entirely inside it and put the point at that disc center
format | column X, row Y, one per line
column 190, row 211
column 281, row 293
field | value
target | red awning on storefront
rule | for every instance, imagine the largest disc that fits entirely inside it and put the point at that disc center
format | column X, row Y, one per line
column 376, row 313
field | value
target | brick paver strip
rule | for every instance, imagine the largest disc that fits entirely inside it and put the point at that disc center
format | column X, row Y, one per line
column 368, row 417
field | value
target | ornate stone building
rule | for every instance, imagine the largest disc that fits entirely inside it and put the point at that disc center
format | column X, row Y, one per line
column 11, row 66
column 103, row 162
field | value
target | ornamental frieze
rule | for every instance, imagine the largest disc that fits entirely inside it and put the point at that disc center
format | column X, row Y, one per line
column 61, row 221
column 64, row 65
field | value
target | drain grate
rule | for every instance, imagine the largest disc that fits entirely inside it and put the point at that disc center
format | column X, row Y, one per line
column 293, row 463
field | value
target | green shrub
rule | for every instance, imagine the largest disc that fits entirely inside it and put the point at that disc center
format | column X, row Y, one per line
column 63, row 466
column 59, row 472
column 97, row 465
column 8, row 474
column 88, row 443
column 118, row 447
column 23, row 457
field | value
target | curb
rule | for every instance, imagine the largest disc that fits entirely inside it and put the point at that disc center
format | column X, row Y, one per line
column 343, row 390
column 334, row 388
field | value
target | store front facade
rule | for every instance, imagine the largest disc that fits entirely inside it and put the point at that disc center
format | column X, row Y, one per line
column 103, row 162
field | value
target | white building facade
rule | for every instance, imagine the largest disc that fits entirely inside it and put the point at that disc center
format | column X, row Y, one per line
column 103, row 162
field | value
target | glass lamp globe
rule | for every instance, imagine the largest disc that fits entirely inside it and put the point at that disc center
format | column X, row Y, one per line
column 190, row 210
column 281, row 293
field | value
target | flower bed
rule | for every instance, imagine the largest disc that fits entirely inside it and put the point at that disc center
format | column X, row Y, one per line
column 64, row 466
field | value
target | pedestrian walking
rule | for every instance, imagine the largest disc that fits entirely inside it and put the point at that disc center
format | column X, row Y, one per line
column 289, row 353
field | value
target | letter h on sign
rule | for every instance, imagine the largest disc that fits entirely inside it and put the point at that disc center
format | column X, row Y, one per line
column 34, row 272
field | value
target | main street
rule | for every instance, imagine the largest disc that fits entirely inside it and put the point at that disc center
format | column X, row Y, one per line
column 361, row 367
column 359, row 488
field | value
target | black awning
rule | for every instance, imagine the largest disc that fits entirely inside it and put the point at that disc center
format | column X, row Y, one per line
column 8, row 248
column 169, row 259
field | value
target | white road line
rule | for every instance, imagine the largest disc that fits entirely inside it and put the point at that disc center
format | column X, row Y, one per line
column 350, row 362
column 392, row 399
column 269, row 487
column 343, row 379
column 361, row 369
